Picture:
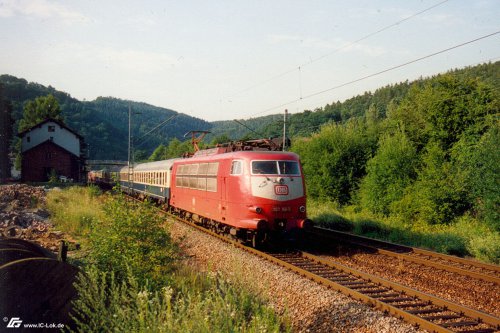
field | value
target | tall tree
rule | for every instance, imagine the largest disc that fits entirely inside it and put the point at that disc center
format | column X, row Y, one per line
column 38, row 110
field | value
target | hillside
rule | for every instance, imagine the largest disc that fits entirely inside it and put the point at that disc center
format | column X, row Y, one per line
column 103, row 122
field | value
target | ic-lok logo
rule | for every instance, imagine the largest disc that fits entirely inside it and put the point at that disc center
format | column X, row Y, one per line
column 281, row 189
column 14, row 322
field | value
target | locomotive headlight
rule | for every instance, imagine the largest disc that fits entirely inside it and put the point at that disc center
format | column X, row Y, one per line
column 302, row 209
column 281, row 180
column 257, row 210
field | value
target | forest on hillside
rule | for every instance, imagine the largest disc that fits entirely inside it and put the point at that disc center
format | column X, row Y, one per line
column 430, row 158
column 103, row 122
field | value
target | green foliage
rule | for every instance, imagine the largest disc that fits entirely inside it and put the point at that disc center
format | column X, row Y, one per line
column 160, row 153
column 204, row 305
column 440, row 193
column 486, row 247
column 223, row 138
column 389, row 172
column 334, row 160
column 441, row 109
column 467, row 237
column 453, row 105
column 38, row 110
column 478, row 158
column 53, row 176
column 174, row 149
column 129, row 235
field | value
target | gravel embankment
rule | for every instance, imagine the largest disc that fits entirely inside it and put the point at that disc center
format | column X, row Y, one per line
column 464, row 290
column 309, row 306
column 22, row 216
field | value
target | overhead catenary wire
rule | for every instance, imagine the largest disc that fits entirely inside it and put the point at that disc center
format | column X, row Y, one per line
column 376, row 73
column 311, row 61
column 154, row 129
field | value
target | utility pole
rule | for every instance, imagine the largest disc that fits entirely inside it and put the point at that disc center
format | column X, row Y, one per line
column 129, row 142
column 284, row 129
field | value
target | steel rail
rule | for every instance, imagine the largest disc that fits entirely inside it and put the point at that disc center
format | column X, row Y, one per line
column 474, row 314
column 415, row 255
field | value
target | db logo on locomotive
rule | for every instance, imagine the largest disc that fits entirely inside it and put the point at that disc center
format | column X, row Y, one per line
column 281, row 190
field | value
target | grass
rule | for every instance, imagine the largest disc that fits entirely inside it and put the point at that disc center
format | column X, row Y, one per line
column 73, row 209
column 465, row 237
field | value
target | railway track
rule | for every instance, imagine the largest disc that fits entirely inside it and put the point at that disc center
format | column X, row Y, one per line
column 426, row 311
column 474, row 269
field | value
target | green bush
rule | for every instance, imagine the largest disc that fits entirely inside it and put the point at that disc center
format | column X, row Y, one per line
column 132, row 236
column 204, row 305
column 484, row 170
column 440, row 193
column 334, row 160
column 389, row 172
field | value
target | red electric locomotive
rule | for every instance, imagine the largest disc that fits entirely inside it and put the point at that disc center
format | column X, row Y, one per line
column 252, row 195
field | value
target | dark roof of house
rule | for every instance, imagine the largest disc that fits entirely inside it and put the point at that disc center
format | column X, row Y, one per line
column 60, row 123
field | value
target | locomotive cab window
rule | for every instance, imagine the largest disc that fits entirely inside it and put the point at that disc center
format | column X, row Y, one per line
column 288, row 168
column 275, row 168
column 264, row 168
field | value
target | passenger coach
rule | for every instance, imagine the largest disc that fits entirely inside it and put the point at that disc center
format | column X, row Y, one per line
column 249, row 194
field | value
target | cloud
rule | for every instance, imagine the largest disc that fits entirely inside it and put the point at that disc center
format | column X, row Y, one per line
column 42, row 9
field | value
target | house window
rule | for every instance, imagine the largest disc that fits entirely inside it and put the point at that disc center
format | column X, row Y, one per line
column 52, row 128
column 28, row 139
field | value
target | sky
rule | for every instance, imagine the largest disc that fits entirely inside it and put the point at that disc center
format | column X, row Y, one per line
column 241, row 59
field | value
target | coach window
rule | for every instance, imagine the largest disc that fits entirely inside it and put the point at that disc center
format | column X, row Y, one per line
column 202, row 169
column 213, row 168
column 182, row 169
column 236, row 168
column 193, row 170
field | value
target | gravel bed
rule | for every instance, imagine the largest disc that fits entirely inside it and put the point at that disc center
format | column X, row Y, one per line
column 308, row 306
column 464, row 290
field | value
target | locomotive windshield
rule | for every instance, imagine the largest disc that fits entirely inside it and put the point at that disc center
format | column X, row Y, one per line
column 275, row 168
